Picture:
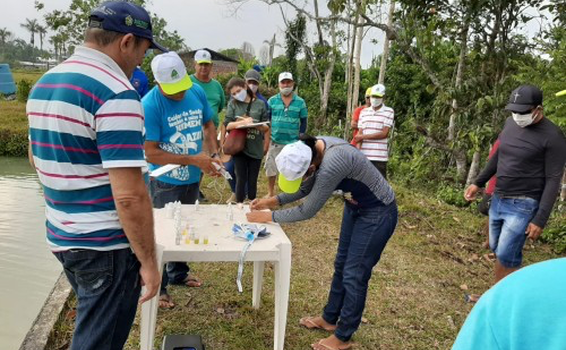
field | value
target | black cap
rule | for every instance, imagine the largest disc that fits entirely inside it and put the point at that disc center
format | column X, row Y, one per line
column 124, row 17
column 524, row 99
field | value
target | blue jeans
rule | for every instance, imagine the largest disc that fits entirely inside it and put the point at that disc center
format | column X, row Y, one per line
column 363, row 236
column 107, row 285
column 508, row 221
column 161, row 194
column 230, row 168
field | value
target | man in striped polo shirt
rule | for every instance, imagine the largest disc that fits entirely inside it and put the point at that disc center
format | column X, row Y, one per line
column 374, row 125
column 86, row 143
column 288, row 120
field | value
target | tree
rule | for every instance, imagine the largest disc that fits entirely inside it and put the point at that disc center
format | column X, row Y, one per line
column 248, row 51
column 71, row 24
column 42, row 31
column 5, row 36
column 31, row 26
column 272, row 43
column 264, row 58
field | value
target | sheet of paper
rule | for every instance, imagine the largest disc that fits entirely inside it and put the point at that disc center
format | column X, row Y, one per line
column 163, row 170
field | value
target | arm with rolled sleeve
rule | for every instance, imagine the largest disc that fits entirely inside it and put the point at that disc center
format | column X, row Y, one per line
column 554, row 160
column 209, row 130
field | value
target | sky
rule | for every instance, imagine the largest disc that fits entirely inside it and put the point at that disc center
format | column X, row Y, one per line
column 202, row 23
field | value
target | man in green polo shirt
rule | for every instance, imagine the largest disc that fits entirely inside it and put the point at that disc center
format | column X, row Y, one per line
column 212, row 88
column 288, row 120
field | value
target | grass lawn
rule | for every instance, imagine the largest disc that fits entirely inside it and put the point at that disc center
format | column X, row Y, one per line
column 415, row 298
column 30, row 75
column 13, row 115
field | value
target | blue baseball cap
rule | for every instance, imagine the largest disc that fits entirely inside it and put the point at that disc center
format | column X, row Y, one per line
column 124, row 17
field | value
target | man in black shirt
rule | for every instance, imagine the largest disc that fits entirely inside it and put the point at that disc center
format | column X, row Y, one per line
column 529, row 165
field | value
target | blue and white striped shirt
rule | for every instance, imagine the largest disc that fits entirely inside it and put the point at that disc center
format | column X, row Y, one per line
column 84, row 118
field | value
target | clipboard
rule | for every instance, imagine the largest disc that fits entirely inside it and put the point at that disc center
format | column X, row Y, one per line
column 253, row 125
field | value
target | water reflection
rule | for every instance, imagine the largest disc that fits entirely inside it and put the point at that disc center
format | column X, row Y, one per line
column 27, row 267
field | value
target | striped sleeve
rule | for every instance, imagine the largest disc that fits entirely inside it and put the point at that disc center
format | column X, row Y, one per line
column 388, row 118
column 119, row 126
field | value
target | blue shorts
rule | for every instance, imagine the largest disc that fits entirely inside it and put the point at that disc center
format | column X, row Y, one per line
column 508, row 221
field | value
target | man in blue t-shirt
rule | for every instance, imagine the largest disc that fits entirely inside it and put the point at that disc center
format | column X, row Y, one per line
column 177, row 121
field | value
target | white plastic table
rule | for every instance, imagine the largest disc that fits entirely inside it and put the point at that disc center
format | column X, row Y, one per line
column 212, row 220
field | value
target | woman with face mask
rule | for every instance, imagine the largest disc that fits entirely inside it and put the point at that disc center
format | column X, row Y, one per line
column 313, row 168
column 244, row 109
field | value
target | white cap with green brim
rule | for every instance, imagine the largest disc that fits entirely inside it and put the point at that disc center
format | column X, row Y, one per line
column 170, row 73
column 293, row 162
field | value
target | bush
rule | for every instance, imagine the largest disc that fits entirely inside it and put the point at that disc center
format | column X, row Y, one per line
column 13, row 143
column 451, row 195
column 24, row 88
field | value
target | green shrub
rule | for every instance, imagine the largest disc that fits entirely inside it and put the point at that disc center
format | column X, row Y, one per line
column 451, row 194
column 24, row 88
column 13, row 143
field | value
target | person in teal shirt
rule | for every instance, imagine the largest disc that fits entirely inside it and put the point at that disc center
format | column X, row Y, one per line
column 212, row 88
column 524, row 311
column 288, row 120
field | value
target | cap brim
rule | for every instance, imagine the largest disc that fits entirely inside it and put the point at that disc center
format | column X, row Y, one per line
column 289, row 186
column 204, row 61
column 155, row 45
column 517, row 108
column 174, row 88
column 561, row 93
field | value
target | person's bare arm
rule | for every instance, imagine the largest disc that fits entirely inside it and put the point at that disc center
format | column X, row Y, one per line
column 135, row 212
column 156, row 155
column 30, row 156
column 222, row 134
column 376, row 136
column 240, row 122
column 210, row 137
column 266, row 140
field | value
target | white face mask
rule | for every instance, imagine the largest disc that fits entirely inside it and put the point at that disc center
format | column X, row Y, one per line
column 376, row 101
column 523, row 120
column 241, row 96
column 286, row 91
column 253, row 87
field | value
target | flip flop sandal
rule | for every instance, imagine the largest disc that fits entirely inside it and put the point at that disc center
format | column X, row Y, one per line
column 167, row 299
column 196, row 283
column 346, row 347
column 472, row 298
column 308, row 323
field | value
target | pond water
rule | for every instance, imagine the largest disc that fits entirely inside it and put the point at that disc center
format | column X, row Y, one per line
column 28, row 270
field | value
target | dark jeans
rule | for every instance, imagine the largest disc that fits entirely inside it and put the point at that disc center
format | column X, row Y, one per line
column 247, row 171
column 381, row 166
column 230, row 168
column 363, row 237
column 107, row 285
column 161, row 194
